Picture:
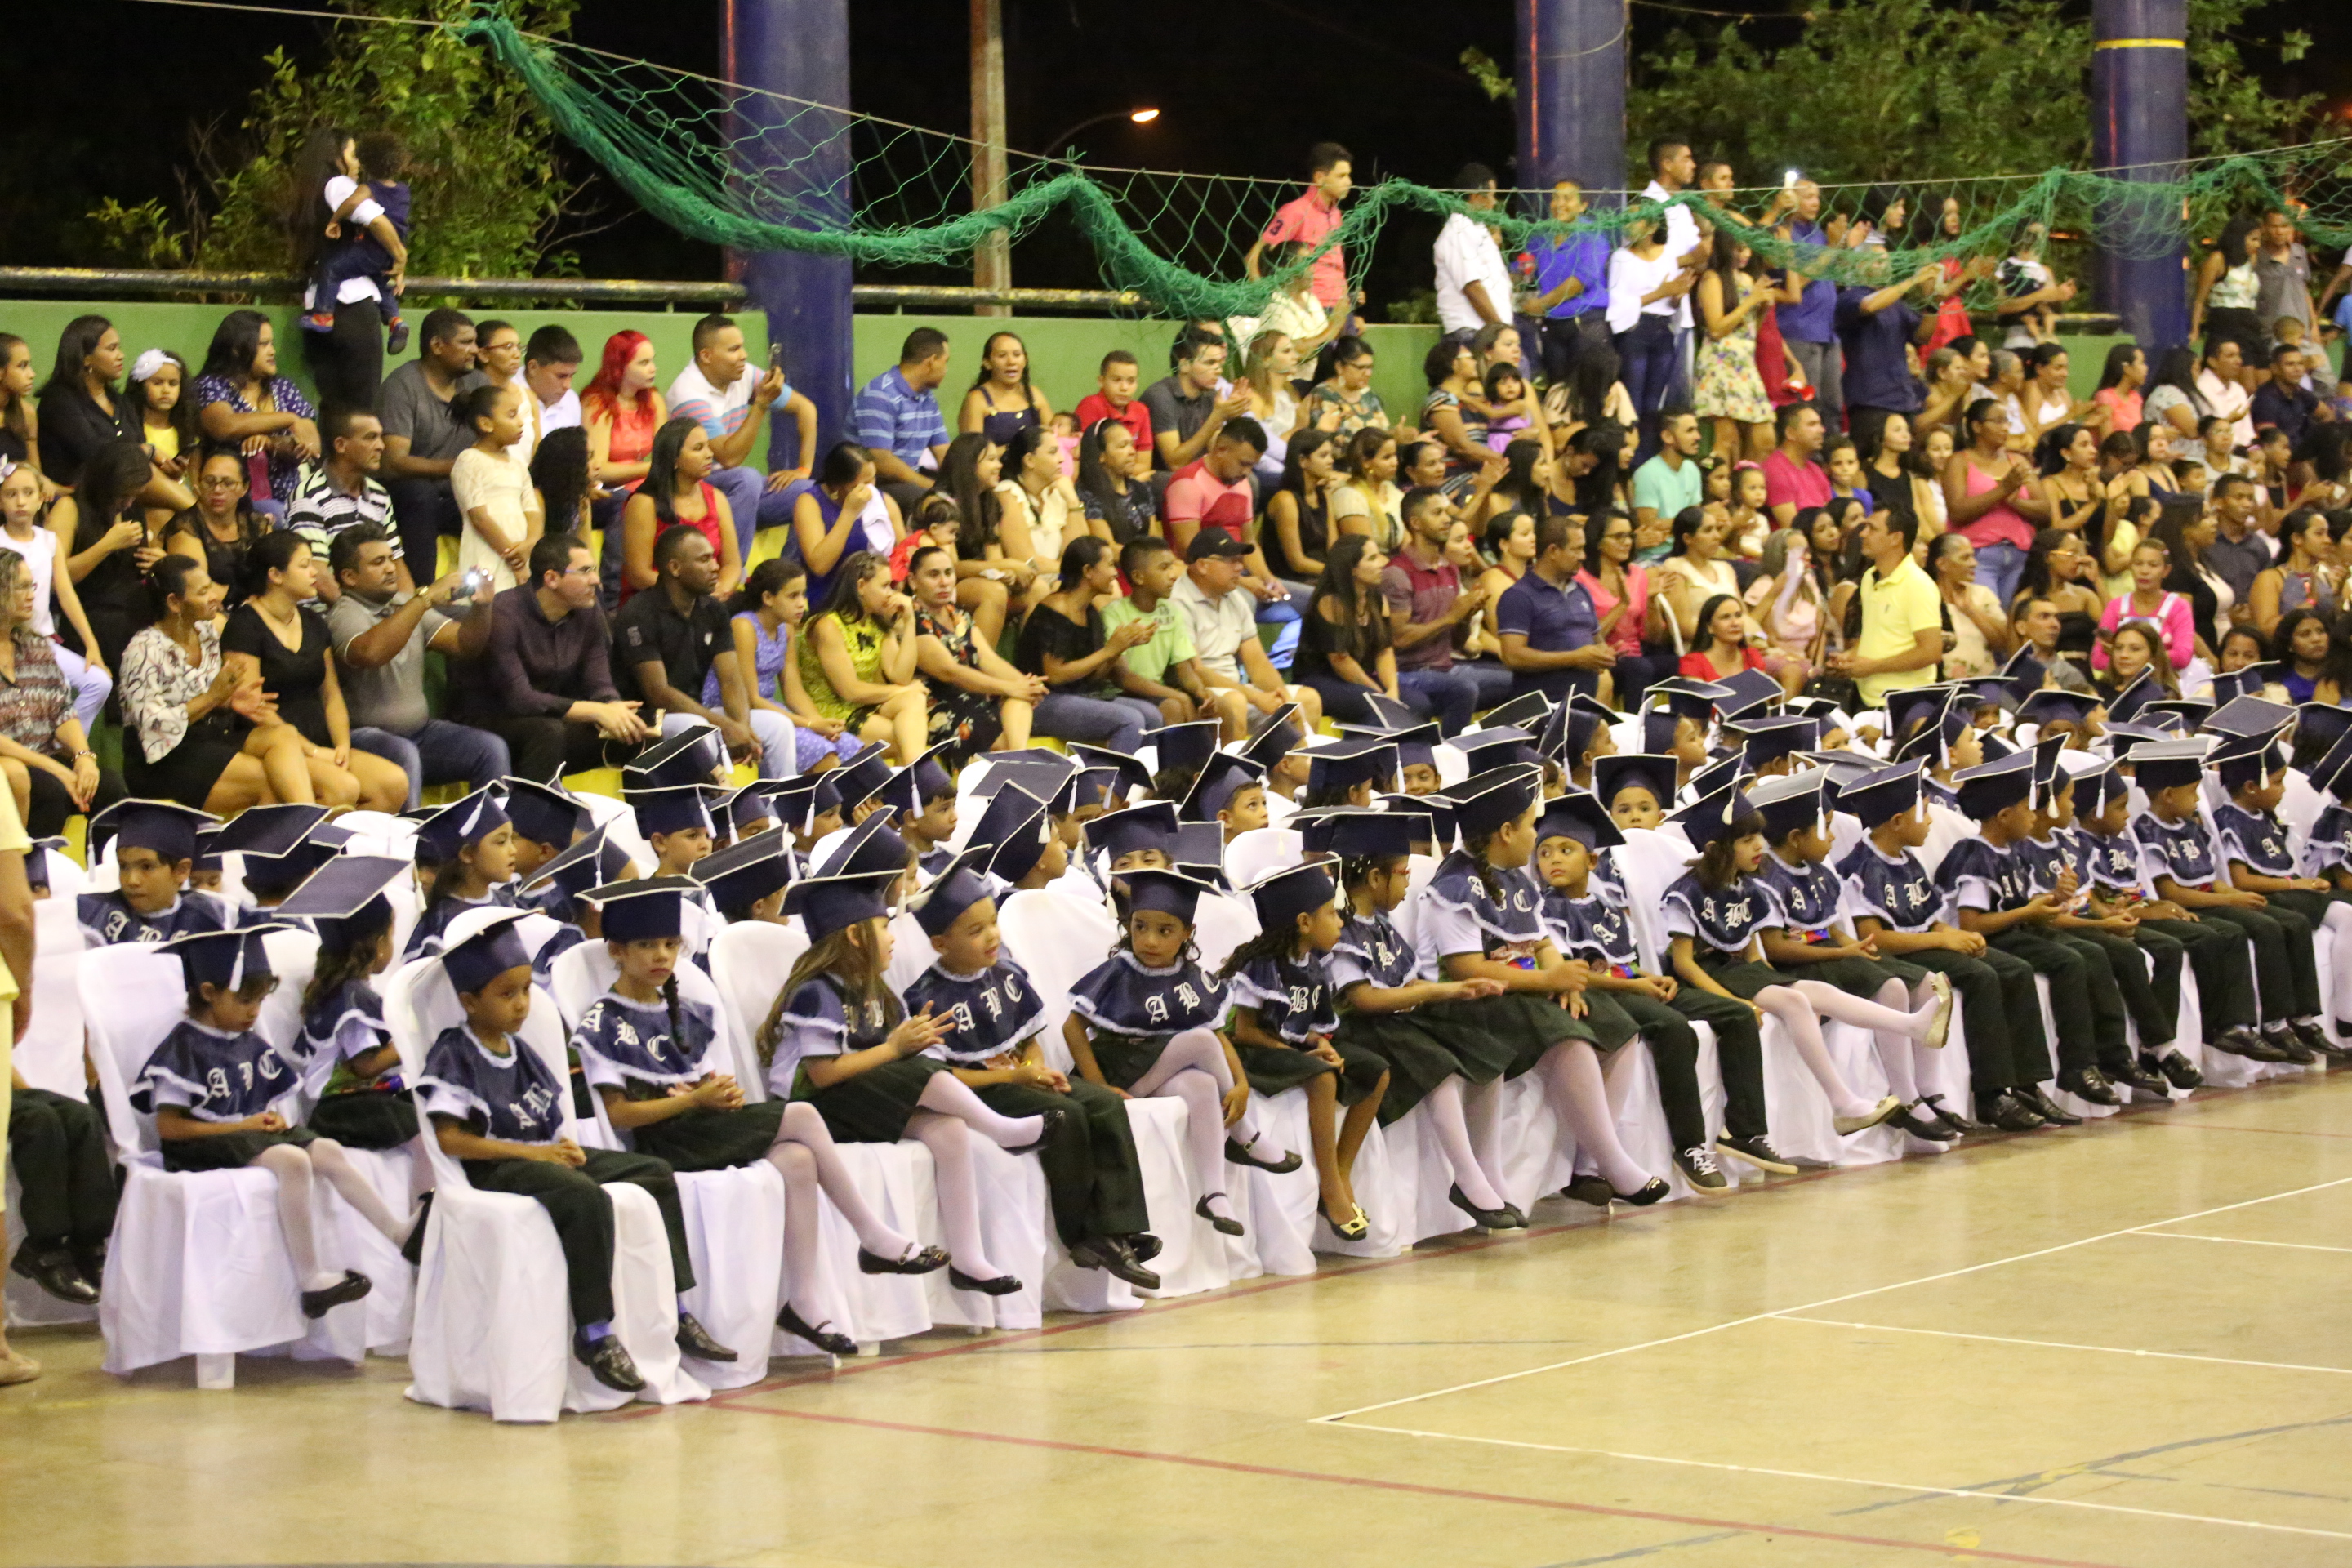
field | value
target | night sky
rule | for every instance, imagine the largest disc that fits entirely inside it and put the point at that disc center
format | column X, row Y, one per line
column 105, row 90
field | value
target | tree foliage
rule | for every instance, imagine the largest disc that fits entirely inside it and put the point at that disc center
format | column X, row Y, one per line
column 488, row 188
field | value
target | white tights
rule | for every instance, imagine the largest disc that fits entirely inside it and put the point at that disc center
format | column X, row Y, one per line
column 1580, row 1097
column 1447, row 1117
column 2339, row 921
column 1801, row 1004
column 945, row 1137
column 293, row 1165
column 805, row 1154
column 1192, row 1068
column 951, row 1096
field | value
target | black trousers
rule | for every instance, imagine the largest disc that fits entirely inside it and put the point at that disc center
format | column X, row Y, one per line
column 2088, row 1010
column 347, row 364
column 1739, row 1054
column 424, row 510
column 2224, row 968
column 1091, row 1171
column 61, row 1167
column 1616, row 1016
column 542, row 748
column 575, row 1201
column 2151, row 987
column 2311, row 909
column 49, row 804
column 2286, row 975
column 2001, row 1011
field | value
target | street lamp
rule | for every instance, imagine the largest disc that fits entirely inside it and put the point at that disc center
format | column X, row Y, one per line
column 1134, row 116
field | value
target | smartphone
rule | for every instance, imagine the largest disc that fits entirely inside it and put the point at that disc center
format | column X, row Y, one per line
column 1787, row 179
column 775, row 356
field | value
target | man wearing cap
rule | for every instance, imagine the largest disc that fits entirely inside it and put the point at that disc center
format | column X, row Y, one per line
column 1901, row 615
column 1215, row 493
column 545, row 684
column 1551, row 634
column 380, row 634
column 1221, row 616
column 670, row 639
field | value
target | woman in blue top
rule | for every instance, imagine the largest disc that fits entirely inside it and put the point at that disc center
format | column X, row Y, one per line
column 840, row 512
column 768, row 611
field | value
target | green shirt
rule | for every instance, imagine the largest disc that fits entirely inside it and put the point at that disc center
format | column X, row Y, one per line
column 1170, row 645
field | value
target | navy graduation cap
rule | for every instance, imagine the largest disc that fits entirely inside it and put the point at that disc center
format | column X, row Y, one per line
column 1714, row 815
column 1580, row 815
column 2120, row 737
column 1199, row 850
column 1165, row 892
column 753, row 804
column 2048, row 775
column 1017, row 851
column 1528, row 711
column 1121, row 833
column 856, row 780
column 1186, row 747
column 1356, row 834
column 1747, row 690
column 1437, row 822
column 1933, row 742
column 268, row 831
column 871, row 846
column 923, row 779
column 2096, row 787
column 544, row 814
column 1276, row 740
column 690, row 757
column 1008, row 811
column 2137, row 694
column 343, row 899
column 1714, row 776
column 2167, row 765
column 942, row 901
column 1786, row 804
column 1483, row 751
column 643, row 909
column 1990, row 788
column 2245, row 760
column 2246, row 682
column 1132, row 777
column 226, row 958
column 482, row 945
column 673, row 808
column 2050, row 706
column 461, row 824
column 1387, row 713
column 799, row 802
column 1766, row 740
column 1811, row 706
column 835, row 903
column 1908, row 706
column 1844, row 768
column 1568, row 733
column 593, row 859
column 2248, row 716
column 165, row 827
column 1224, row 776
column 2190, row 711
column 266, row 874
column 2332, row 774
column 747, row 870
column 1283, row 896
column 1883, row 794
column 2316, row 722
column 1416, row 744
column 1351, row 762
column 1486, row 801
column 1685, row 697
column 208, row 854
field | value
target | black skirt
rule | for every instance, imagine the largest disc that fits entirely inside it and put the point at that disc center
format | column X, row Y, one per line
column 718, row 1140
column 1274, row 1068
column 1743, row 977
column 874, row 1106
column 1124, row 1058
column 188, row 771
column 1516, row 1028
column 370, row 1119
column 230, row 1151
column 1419, row 1054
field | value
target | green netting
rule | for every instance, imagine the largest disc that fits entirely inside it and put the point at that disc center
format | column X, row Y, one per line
column 756, row 171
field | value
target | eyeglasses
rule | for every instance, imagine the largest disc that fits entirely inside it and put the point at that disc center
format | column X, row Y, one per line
column 220, row 482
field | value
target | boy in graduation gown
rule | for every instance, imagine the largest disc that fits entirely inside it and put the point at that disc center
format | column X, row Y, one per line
column 2253, row 772
column 155, row 850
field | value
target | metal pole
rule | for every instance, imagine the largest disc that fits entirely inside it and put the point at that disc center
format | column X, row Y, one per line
column 795, row 167
column 992, row 262
column 2139, row 132
column 1571, row 96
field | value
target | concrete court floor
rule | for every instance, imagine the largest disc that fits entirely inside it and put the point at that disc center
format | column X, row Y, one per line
column 2126, row 1344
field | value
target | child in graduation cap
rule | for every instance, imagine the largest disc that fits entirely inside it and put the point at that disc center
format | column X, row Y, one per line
column 1677, row 726
column 471, row 846
column 675, row 821
column 210, row 1085
column 1349, row 773
column 1135, row 839
column 1144, row 1022
column 546, row 819
column 809, row 807
column 2328, row 849
column 2255, row 847
column 155, row 850
column 1480, row 919
column 746, row 880
column 1636, row 789
column 2184, row 865
column 995, row 1019
column 1231, row 793
column 1576, row 736
column 920, row 799
column 839, row 1038
column 1282, row 1028
column 1897, row 907
column 497, row 1108
column 657, row 1061
column 1585, row 912
column 1180, row 752
column 349, row 1062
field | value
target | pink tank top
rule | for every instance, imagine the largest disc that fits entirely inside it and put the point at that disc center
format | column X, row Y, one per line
column 2002, row 525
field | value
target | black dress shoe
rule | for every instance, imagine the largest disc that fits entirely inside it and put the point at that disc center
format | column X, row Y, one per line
column 1143, row 1245
column 2285, row 1041
column 2316, row 1039
column 1650, row 1192
column 1590, row 1189
column 54, row 1271
column 2013, row 1115
column 1002, row 1285
column 817, row 1334
column 2241, row 1042
column 2031, row 1096
column 608, row 1362
column 1242, row 1156
column 350, row 1287
column 1927, row 1128
column 694, row 1339
column 1933, row 1105
column 413, row 1250
column 922, row 1260
column 2091, row 1084
column 1050, row 1121
column 1113, row 1259
column 1493, row 1219
column 1227, row 1223
column 2139, row 1077
column 2177, row 1068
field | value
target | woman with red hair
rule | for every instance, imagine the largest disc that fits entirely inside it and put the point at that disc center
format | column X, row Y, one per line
column 622, row 410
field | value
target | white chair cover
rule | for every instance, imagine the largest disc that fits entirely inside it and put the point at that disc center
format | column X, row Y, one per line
column 50, row 1057
column 1260, row 852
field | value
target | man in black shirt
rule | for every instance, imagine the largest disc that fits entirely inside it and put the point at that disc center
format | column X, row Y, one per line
column 674, row 649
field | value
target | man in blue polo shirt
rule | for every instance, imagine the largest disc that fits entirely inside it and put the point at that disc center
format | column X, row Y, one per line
column 897, row 420
column 1551, row 637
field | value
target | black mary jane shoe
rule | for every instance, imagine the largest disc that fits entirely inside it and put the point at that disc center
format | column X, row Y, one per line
column 1650, row 1192
column 1226, row 1225
column 1111, row 1256
column 1493, row 1219
column 922, row 1260
column 694, row 1339
column 350, row 1287
column 1241, row 1155
column 1593, row 1189
column 817, row 1334
column 412, row 1251
column 1356, row 1229
column 1002, row 1285
column 1922, row 1124
column 1051, row 1117
column 608, row 1362
column 55, row 1271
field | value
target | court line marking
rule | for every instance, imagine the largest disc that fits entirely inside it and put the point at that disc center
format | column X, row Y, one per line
column 1419, row 1489
column 2246, row 1241
column 1989, row 1495
column 2061, row 1345
column 1341, row 1415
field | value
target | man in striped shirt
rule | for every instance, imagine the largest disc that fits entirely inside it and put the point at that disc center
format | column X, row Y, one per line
column 339, row 491
column 897, row 420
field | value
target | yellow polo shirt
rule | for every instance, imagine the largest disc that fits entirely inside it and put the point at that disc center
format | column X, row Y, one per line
column 1894, row 611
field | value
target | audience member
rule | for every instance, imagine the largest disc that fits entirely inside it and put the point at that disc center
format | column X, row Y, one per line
column 1901, row 636
column 1191, row 405
column 1089, row 694
column 334, row 494
column 1474, row 287
column 1344, row 403
column 550, row 361
column 1569, row 278
column 54, row 597
column 856, row 657
column 199, row 731
column 1113, row 479
column 670, row 638
column 45, row 753
column 764, row 619
column 423, row 434
column 1547, row 624
column 1307, row 220
column 1671, row 479
column 977, row 699
column 729, row 398
column 1809, row 326
column 1619, row 586
column 677, row 491
column 106, row 543
column 897, row 417
column 220, row 529
column 80, row 409
column 1114, row 398
column 492, row 492
column 1793, row 477
column 1001, row 404
column 1221, row 618
column 1426, row 604
column 1986, row 499
column 545, row 685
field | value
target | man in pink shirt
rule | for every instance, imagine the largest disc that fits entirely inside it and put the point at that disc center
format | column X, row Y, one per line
column 1793, row 479
column 1310, row 219
column 1214, row 491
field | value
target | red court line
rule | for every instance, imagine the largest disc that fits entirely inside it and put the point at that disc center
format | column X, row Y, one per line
column 2273, row 1132
column 1235, row 1466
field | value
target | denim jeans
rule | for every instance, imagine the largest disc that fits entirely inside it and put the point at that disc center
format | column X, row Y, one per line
column 90, row 688
column 1453, row 696
column 1118, row 722
column 439, row 752
column 1998, row 568
column 1646, row 357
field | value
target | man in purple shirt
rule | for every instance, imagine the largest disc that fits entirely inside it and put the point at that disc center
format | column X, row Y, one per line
column 1425, row 601
column 545, row 684
column 1546, row 621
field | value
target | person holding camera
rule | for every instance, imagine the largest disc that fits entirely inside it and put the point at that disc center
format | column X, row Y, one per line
column 380, row 631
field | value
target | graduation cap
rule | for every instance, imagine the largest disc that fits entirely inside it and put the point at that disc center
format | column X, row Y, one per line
column 1488, row 749
column 2051, row 706
column 1990, row 788
column 2248, row 716
column 920, row 781
column 2190, row 711
column 2135, row 694
column 268, row 874
column 1389, row 713
column 2315, row 723
column 672, row 808
column 1353, row 834
column 871, row 846
column 2096, row 787
column 1788, row 803
column 1658, row 727
column 266, row 832
column 753, row 803
column 1993, row 747
column 1883, row 794
column 1132, row 776
column 1568, row 733
column 1528, row 711
column 1006, row 812
column 942, row 901
column 688, row 757
column 1283, row 896
column 1184, row 747
column 208, row 854
column 1121, row 833
column 856, row 779
column 2332, row 774
column 837, row 901
column 2246, row 682
column 747, row 870
column 1167, row 892
column 2243, row 760
column 1685, row 697
column 2120, row 737
column 226, row 958
column 343, row 899
column 1908, row 706
column 2167, row 765
column 1485, row 802
column 461, row 825
column 1933, row 743
column 1714, row 776
column 799, row 802
column 482, row 944
column 1810, row 708
column 1440, row 823
column 2048, row 775
column 1276, row 740
column 1766, row 740
column 1579, row 814
column 1844, row 768
column 1713, row 814
column 544, row 814
column 1416, row 744
column 586, row 863
column 1224, row 776
column 1351, row 762
column 643, row 909
column 164, row 826
column 1199, row 850
column 1748, row 690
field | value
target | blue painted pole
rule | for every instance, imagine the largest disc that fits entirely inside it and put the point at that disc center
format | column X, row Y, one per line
column 2139, row 131
column 1571, row 96
column 795, row 161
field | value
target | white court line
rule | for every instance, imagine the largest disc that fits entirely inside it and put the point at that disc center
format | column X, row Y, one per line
column 2061, row 1345
column 1813, row 1306
column 2246, row 1241
column 1989, row 1494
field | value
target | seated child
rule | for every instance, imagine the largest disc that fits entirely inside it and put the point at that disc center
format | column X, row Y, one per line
column 470, row 844
column 1230, row 791
column 2254, row 847
column 349, row 1065
column 154, row 850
